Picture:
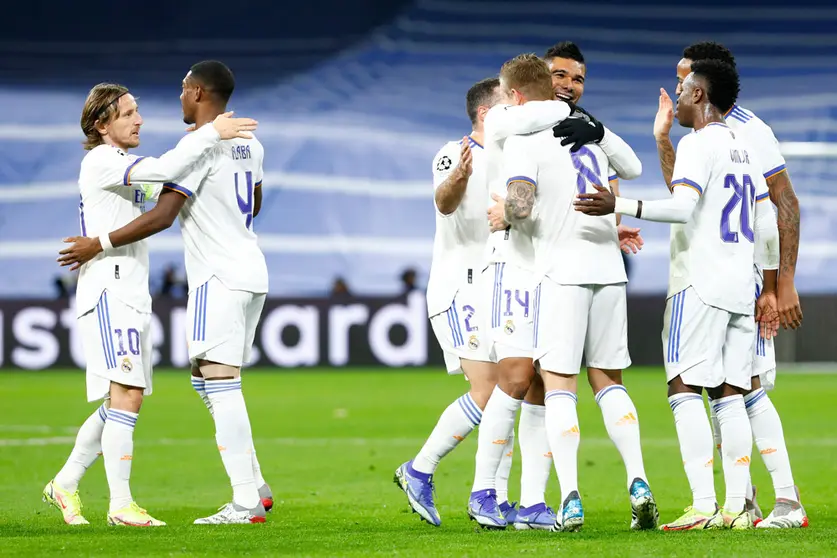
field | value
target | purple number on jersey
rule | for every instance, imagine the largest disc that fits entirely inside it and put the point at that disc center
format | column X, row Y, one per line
column 745, row 194
column 585, row 173
column 245, row 205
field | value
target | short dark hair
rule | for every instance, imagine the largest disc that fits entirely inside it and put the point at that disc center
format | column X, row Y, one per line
column 481, row 93
column 215, row 77
column 565, row 49
column 722, row 80
column 708, row 50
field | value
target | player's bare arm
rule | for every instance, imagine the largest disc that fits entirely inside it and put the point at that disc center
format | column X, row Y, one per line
column 519, row 201
column 662, row 127
column 161, row 217
column 257, row 199
column 787, row 204
column 449, row 194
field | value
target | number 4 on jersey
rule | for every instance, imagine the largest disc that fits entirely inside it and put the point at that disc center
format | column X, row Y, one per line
column 245, row 205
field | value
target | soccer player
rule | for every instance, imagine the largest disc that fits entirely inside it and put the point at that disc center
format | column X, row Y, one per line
column 720, row 229
column 113, row 300
column 764, row 419
column 217, row 200
column 513, row 328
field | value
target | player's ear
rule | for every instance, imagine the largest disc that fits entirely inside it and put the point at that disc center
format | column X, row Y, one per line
column 481, row 112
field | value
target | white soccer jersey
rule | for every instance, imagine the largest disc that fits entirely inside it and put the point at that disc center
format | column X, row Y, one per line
column 570, row 248
column 113, row 188
column 514, row 245
column 459, row 243
column 714, row 251
column 217, row 219
column 758, row 135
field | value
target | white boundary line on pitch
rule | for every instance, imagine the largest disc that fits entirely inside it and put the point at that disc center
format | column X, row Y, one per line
column 360, row 442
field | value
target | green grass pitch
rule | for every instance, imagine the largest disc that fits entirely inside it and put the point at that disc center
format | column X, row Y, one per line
column 329, row 441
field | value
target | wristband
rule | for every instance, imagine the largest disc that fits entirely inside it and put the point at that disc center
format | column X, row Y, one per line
column 626, row 206
column 104, row 240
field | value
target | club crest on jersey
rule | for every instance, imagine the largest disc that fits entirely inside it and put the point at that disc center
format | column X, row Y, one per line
column 473, row 343
column 444, row 163
column 126, row 365
column 509, row 327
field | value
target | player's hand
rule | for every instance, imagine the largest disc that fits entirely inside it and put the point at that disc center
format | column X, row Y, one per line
column 603, row 202
column 579, row 131
column 466, row 159
column 767, row 314
column 229, row 127
column 790, row 311
column 665, row 116
column 83, row 250
column 629, row 239
column 496, row 214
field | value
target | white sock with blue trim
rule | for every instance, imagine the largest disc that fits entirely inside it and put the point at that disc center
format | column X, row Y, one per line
column 695, row 437
column 87, row 450
column 770, row 441
column 118, row 453
column 622, row 424
column 535, row 455
column 496, row 429
column 564, row 437
column 458, row 420
column 234, row 438
column 199, row 385
column 501, row 481
column 737, row 448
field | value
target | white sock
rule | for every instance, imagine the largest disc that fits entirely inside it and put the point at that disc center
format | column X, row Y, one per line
column 564, row 436
column 504, row 470
column 87, row 450
column 622, row 424
column 770, row 441
column 456, row 422
column 234, row 438
column 695, row 437
column 118, row 453
column 716, row 433
column 496, row 428
column 199, row 385
column 737, row 447
column 535, row 457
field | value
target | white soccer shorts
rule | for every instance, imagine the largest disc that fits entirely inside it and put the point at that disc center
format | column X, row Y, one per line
column 461, row 330
column 222, row 323
column 117, row 347
column 707, row 346
column 571, row 320
column 512, row 322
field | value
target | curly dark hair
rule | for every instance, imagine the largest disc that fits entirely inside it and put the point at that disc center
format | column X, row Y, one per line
column 709, row 50
column 722, row 82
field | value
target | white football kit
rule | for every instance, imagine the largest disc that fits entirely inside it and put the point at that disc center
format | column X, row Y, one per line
column 580, row 304
column 508, row 284
column 758, row 135
column 453, row 289
column 113, row 302
column 709, row 330
column 225, row 267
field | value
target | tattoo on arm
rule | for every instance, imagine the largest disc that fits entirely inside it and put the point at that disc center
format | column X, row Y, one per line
column 519, row 201
column 783, row 196
column 449, row 194
column 665, row 150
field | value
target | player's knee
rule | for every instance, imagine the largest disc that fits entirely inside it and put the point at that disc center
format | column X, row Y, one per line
column 125, row 398
column 600, row 379
column 217, row 371
column 516, row 377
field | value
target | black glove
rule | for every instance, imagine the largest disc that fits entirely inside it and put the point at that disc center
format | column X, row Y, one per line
column 579, row 130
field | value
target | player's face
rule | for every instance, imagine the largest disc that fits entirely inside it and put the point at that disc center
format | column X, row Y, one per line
column 567, row 79
column 684, row 68
column 123, row 130
column 188, row 99
column 684, row 111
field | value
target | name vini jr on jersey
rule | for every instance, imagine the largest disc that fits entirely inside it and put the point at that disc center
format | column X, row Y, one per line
column 739, row 156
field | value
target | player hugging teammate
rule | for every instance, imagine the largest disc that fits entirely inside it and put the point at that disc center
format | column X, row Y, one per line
column 542, row 162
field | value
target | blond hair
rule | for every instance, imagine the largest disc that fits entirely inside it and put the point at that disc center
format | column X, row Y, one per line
column 100, row 108
column 529, row 75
